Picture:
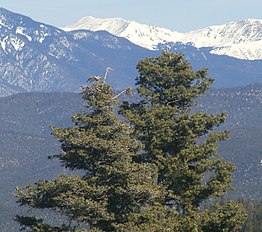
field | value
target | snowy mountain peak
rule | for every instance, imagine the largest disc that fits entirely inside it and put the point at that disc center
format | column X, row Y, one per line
column 241, row 39
column 114, row 25
column 244, row 31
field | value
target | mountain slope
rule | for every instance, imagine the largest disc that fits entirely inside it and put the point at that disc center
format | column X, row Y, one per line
column 39, row 57
column 237, row 39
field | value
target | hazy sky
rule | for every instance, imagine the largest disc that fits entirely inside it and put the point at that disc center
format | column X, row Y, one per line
column 180, row 15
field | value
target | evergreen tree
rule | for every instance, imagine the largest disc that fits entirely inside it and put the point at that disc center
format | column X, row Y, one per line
column 183, row 144
column 109, row 190
column 154, row 172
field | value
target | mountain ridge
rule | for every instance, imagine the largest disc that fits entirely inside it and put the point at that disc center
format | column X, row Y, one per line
column 242, row 39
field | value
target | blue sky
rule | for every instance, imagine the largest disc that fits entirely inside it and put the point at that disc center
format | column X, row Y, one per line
column 179, row 15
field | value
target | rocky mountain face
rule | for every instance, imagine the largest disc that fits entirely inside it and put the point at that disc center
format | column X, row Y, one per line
column 30, row 54
column 39, row 57
column 241, row 40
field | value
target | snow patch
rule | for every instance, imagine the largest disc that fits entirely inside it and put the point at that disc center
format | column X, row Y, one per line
column 2, row 23
column 40, row 36
column 20, row 30
column 17, row 43
column 4, row 42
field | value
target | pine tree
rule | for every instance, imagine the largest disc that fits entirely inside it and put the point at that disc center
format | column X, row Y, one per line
column 108, row 192
column 157, row 171
column 183, row 144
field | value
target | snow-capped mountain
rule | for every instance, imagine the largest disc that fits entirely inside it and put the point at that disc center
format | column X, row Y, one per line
column 236, row 39
column 141, row 34
column 38, row 57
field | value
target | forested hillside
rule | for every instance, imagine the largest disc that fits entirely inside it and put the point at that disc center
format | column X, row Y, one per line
column 244, row 120
column 26, row 143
